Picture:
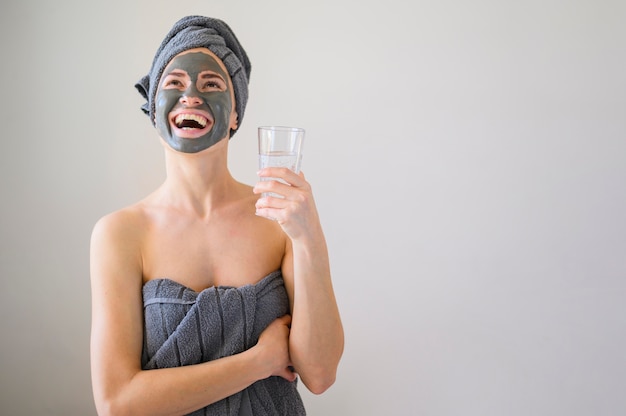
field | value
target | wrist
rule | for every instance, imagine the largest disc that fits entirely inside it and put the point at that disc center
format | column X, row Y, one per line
column 257, row 362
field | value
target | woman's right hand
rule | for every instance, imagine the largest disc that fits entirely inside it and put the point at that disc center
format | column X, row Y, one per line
column 273, row 347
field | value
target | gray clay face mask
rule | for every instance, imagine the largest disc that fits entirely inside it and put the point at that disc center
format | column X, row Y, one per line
column 193, row 103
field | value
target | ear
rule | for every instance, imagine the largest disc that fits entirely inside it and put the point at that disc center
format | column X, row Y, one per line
column 234, row 120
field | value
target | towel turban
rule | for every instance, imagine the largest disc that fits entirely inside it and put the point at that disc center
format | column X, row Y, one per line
column 199, row 32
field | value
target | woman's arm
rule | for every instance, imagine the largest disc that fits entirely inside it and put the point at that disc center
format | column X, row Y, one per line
column 120, row 386
column 316, row 340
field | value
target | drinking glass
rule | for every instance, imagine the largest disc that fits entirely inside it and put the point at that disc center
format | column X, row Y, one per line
column 280, row 146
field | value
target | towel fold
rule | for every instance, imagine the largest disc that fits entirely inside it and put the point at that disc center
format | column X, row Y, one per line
column 184, row 327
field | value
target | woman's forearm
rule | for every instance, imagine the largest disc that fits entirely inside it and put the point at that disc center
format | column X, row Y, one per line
column 181, row 390
column 316, row 339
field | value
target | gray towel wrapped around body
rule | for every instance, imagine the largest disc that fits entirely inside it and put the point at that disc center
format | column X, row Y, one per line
column 185, row 327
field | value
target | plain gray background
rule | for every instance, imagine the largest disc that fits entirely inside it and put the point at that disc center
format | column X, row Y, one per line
column 468, row 160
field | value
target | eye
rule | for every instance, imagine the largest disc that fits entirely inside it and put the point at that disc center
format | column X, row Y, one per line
column 210, row 83
column 173, row 83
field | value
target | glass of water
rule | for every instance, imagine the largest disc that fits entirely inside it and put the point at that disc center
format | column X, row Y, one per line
column 280, row 146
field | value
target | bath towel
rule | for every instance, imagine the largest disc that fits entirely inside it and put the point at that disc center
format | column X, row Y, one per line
column 184, row 327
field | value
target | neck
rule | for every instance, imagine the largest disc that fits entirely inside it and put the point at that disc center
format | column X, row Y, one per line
column 198, row 181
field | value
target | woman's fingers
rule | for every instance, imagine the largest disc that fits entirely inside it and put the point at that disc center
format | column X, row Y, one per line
column 278, row 196
column 286, row 174
column 275, row 188
column 288, row 374
column 290, row 204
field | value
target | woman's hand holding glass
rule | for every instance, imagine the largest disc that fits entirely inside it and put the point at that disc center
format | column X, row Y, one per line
column 293, row 207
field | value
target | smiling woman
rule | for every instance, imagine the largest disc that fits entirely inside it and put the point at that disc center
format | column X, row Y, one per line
column 199, row 305
column 194, row 104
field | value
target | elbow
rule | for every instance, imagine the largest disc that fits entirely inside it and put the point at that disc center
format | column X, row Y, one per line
column 109, row 407
column 320, row 384
column 320, row 388
column 320, row 372
column 106, row 408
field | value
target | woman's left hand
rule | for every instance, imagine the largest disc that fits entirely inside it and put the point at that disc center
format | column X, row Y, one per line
column 295, row 211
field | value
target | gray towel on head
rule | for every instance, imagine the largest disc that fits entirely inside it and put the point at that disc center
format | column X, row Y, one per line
column 184, row 327
column 200, row 32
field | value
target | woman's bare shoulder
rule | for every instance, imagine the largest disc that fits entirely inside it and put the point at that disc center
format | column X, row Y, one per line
column 126, row 224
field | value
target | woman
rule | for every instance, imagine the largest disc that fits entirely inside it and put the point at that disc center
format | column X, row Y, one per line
column 207, row 299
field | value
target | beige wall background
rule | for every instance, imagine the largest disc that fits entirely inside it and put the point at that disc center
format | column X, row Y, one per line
column 468, row 160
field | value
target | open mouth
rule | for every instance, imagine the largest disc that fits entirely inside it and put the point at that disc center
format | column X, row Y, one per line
column 191, row 125
column 190, row 121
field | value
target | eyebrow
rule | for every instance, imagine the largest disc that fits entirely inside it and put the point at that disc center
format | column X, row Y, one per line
column 177, row 72
column 207, row 75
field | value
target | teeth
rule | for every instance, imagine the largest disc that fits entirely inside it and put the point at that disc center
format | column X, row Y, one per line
column 193, row 117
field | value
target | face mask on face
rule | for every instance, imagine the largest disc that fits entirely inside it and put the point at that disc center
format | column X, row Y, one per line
column 193, row 103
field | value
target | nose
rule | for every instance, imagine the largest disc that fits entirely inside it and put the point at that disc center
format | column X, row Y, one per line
column 190, row 98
